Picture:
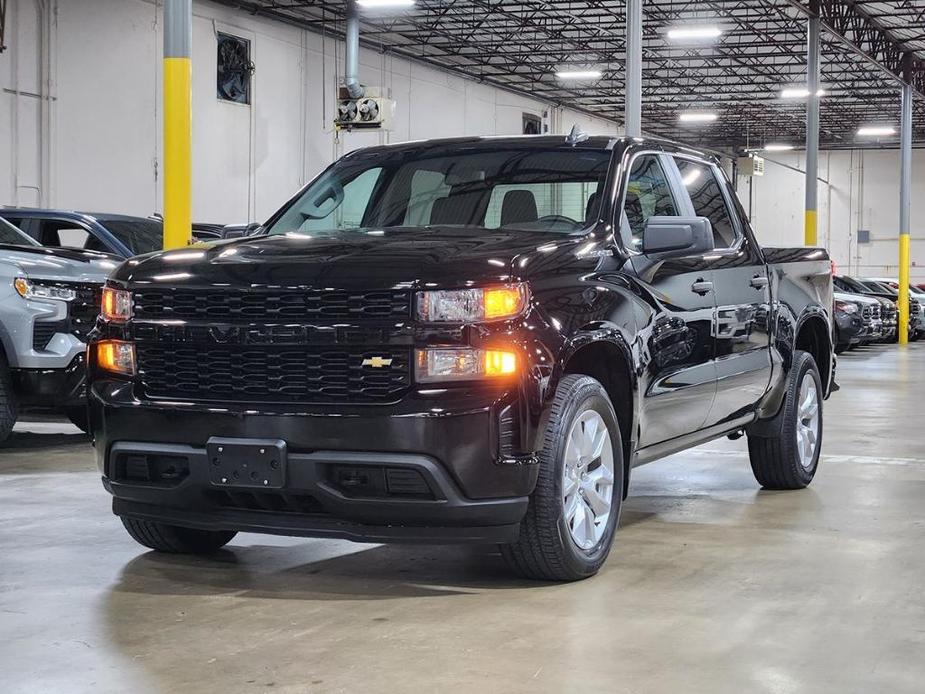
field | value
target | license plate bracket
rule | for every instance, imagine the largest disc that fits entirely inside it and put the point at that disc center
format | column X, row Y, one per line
column 249, row 463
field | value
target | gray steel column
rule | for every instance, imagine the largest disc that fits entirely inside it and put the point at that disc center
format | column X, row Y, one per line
column 178, row 28
column 812, row 127
column 632, row 120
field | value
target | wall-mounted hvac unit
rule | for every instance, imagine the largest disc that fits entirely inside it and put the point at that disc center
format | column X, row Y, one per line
column 371, row 111
column 750, row 166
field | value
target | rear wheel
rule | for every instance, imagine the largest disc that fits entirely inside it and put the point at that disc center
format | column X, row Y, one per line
column 568, row 530
column 786, row 454
column 9, row 409
column 173, row 539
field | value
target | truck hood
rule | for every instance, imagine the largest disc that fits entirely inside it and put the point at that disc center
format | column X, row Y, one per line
column 369, row 259
column 856, row 298
column 60, row 264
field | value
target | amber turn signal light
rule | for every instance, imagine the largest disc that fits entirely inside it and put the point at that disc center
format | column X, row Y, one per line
column 116, row 305
column 116, row 356
column 502, row 302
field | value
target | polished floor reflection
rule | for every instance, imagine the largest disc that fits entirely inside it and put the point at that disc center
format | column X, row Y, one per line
column 713, row 586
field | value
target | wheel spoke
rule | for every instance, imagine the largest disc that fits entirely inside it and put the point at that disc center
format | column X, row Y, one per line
column 569, row 487
column 590, row 426
column 598, row 500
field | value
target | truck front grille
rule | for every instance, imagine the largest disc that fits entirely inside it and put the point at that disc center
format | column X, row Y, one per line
column 273, row 373
column 271, row 306
column 85, row 309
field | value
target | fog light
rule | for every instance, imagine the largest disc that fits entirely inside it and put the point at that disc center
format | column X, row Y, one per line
column 116, row 356
column 463, row 364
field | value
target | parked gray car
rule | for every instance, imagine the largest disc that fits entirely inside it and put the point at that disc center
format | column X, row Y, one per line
column 49, row 301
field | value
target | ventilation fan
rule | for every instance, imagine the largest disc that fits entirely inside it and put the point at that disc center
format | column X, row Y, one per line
column 234, row 69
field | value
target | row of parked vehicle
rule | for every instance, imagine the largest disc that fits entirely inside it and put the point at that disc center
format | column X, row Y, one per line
column 867, row 310
column 53, row 264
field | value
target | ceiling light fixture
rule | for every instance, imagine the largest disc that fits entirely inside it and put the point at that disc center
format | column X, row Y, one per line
column 693, row 117
column 383, row 4
column 579, row 74
column 873, row 130
column 777, row 148
column 798, row 93
column 686, row 33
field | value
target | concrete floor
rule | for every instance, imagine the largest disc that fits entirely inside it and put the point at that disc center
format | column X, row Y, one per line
column 713, row 585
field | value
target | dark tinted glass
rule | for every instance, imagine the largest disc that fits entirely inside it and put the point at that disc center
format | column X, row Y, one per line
column 708, row 199
column 532, row 189
column 12, row 236
column 140, row 235
column 648, row 194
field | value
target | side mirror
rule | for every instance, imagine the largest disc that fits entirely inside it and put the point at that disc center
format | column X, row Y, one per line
column 677, row 237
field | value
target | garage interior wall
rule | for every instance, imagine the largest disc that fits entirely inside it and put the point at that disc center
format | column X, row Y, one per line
column 858, row 189
column 79, row 115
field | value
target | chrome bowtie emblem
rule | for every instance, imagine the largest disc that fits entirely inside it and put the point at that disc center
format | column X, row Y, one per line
column 377, row 362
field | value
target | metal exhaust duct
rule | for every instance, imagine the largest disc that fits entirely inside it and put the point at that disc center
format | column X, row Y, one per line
column 352, row 59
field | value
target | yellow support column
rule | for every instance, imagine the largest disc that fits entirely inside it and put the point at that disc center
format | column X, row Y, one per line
column 178, row 117
column 810, row 237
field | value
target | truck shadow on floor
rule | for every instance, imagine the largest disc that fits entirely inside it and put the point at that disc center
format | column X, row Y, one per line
column 365, row 573
column 34, row 440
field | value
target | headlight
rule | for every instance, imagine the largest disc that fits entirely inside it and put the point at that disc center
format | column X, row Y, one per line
column 28, row 289
column 463, row 364
column 472, row 305
column 116, row 305
column 846, row 307
column 116, row 356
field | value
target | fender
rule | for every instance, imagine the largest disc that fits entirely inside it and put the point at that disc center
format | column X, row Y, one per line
column 610, row 335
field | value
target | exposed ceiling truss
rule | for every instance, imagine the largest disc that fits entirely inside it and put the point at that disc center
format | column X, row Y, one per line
column 519, row 45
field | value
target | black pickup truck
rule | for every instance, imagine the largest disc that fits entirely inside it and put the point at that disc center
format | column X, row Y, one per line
column 467, row 340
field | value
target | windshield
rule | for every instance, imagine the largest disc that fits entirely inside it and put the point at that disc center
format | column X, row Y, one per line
column 140, row 235
column 852, row 285
column 555, row 190
column 12, row 236
column 878, row 287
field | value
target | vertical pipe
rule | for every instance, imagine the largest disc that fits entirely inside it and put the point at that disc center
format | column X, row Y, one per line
column 905, row 209
column 352, row 55
column 178, row 117
column 812, row 126
column 632, row 121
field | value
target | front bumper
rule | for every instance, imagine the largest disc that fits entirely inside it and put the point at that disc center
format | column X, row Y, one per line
column 52, row 388
column 448, row 439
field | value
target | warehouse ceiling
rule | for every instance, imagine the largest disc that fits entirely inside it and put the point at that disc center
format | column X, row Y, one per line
column 521, row 45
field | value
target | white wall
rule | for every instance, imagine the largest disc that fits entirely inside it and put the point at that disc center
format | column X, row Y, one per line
column 860, row 190
column 97, row 143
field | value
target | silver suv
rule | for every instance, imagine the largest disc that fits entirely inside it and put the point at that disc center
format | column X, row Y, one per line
column 49, row 301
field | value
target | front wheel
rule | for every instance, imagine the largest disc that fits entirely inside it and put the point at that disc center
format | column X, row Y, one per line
column 573, row 513
column 174, row 539
column 8, row 402
column 785, row 455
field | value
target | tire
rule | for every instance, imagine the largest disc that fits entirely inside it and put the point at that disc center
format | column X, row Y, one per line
column 9, row 407
column 79, row 417
column 173, row 539
column 775, row 453
column 546, row 548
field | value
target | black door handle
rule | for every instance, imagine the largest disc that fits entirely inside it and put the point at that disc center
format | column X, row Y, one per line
column 759, row 282
column 702, row 287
